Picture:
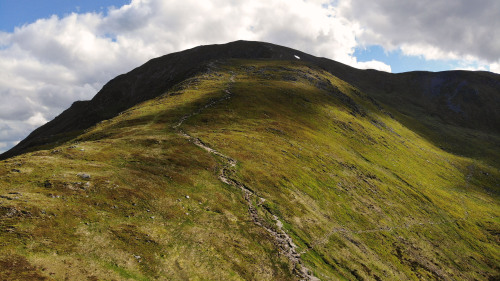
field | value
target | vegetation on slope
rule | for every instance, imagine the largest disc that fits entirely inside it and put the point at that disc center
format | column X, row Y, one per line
column 361, row 195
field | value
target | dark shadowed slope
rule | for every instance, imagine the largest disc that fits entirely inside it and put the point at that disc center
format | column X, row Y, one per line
column 460, row 98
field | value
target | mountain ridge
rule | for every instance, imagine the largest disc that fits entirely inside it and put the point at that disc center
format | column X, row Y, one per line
column 256, row 169
column 160, row 74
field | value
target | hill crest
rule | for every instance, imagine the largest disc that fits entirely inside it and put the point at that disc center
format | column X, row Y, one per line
column 465, row 99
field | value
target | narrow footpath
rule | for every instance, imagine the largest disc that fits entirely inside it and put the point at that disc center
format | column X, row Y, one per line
column 282, row 239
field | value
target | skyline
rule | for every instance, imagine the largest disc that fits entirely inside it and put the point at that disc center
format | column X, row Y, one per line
column 55, row 52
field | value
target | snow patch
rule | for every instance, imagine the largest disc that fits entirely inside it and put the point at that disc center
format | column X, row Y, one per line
column 297, row 57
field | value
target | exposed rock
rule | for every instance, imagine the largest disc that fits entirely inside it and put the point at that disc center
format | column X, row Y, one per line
column 83, row 176
column 47, row 184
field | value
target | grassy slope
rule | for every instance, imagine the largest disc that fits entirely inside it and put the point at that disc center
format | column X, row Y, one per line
column 362, row 196
column 135, row 205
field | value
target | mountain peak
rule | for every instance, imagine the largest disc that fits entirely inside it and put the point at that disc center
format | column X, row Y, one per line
column 146, row 82
column 160, row 74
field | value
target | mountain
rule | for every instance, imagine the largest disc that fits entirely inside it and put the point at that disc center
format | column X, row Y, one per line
column 252, row 161
column 466, row 99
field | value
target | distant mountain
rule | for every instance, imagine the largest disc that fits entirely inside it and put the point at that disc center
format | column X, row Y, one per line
column 252, row 161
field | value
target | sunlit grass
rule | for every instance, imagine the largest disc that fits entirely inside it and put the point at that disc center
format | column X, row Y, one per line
column 362, row 195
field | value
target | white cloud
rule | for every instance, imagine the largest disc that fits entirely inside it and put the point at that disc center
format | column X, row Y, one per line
column 495, row 67
column 373, row 64
column 434, row 29
column 37, row 119
column 472, row 67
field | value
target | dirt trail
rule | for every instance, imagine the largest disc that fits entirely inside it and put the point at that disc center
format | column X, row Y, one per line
column 282, row 239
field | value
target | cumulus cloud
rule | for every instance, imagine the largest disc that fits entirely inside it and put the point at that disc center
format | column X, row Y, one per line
column 435, row 29
column 373, row 64
column 495, row 67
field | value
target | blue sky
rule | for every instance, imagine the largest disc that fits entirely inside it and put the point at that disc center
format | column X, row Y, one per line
column 48, row 62
column 400, row 62
column 19, row 12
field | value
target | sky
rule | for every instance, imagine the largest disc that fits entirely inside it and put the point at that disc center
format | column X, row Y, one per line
column 54, row 52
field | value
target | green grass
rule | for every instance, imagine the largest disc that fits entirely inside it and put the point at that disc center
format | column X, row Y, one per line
column 361, row 193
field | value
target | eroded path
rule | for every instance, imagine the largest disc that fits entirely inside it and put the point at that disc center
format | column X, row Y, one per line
column 282, row 239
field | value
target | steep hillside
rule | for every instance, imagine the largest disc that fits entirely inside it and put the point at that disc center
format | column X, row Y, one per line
column 257, row 169
column 143, row 83
column 444, row 102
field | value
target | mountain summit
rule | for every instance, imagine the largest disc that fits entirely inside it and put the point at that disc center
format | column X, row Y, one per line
column 146, row 82
column 460, row 98
column 252, row 161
